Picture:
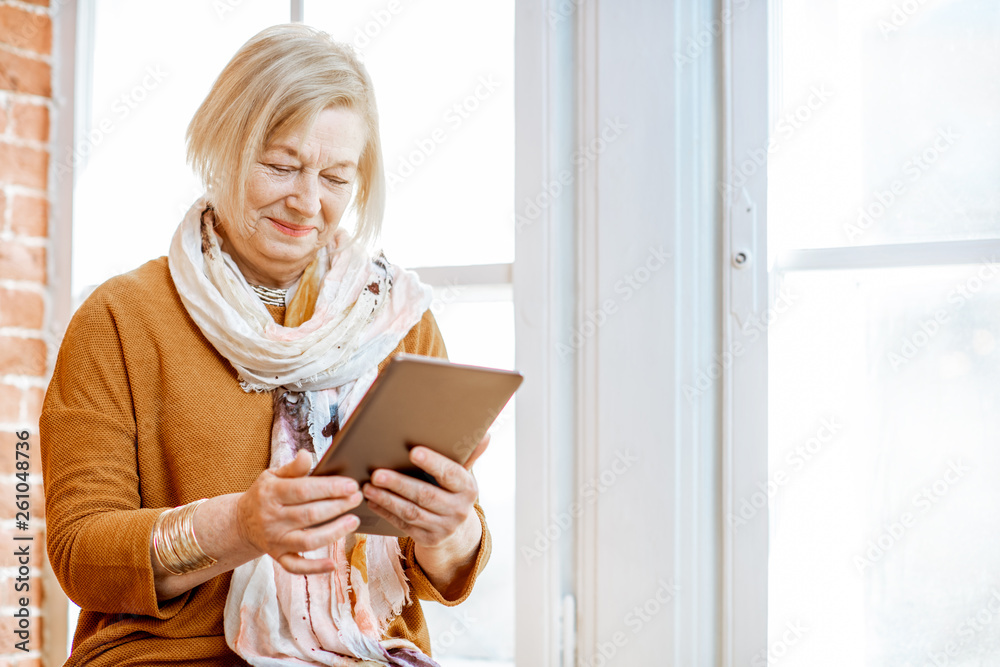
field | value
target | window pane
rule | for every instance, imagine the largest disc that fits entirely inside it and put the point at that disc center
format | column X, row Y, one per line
column 154, row 62
column 884, row 123
column 883, row 464
column 477, row 324
column 444, row 78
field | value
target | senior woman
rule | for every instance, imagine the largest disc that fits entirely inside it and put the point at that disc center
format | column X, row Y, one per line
column 180, row 515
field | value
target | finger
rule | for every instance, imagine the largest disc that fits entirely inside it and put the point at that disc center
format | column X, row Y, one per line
column 477, row 452
column 448, row 474
column 416, row 532
column 297, row 467
column 416, row 491
column 302, row 490
column 322, row 511
column 400, row 507
column 296, row 564
column 308, row 539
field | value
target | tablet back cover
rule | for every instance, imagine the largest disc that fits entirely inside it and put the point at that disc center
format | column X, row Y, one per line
column 416, row 401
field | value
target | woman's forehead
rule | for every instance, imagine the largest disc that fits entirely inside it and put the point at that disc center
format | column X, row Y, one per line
column 336, row 136
column 286, row 147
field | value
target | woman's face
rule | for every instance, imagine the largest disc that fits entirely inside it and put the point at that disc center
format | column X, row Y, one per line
column 297, row 192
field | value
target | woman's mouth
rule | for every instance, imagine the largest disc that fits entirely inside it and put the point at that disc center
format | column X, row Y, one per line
column 288, row 228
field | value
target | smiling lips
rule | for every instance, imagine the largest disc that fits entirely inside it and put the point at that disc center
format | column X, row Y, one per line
column 290, row 229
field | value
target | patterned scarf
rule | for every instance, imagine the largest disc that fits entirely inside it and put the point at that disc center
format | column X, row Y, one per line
column 345, row 315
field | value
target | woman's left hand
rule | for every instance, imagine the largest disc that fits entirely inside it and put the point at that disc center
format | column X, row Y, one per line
column 441, row 519
column 430, row 514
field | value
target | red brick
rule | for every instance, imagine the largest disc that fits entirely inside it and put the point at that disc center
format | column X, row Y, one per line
column 8, row 442
column 30, row 662
column 9, row 597
column 22, row 356
column 37, row 548
column 33, row 405
column 43, row 3
column 21, row 262
column 34, row 643
column 7, row 626
column 3, row 118
column 21, row 308
column 26, row 30
column 25, row 75
column 30, row 216
column 24, row 166
column 10, row 405
column 37, row 543
column 30, row 121
column 36, row 512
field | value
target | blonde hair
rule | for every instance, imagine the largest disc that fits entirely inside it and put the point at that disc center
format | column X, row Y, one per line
column 282, row 79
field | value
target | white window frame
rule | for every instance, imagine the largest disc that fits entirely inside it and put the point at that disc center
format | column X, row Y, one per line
column 572, row 601
column 745, row 294
column 67, row 19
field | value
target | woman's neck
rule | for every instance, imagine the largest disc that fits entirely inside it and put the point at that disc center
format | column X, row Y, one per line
column 279, row 277
column 270, row 279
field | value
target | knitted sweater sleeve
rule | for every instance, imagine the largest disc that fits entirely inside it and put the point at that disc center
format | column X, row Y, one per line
column 97, row 529
column 425, row 339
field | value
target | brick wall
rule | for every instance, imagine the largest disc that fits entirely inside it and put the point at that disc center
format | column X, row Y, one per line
column 25, row 297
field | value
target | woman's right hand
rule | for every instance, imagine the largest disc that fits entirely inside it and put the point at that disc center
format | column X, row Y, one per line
column 281, row 511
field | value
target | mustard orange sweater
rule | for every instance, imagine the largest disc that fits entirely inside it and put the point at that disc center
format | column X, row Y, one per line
column 142, row 414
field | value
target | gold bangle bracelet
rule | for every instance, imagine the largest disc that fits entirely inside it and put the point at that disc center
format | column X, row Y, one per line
column 175, row 543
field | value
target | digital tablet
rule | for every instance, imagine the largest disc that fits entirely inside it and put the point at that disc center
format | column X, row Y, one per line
column 414, row 401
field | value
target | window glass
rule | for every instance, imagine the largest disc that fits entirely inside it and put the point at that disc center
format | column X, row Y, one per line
column 154, row 62
column 883, row 418
column 477, row 324
column 884, row 123
column 444, row 78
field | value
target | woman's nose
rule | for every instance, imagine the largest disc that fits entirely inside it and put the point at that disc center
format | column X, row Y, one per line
column 304, row 198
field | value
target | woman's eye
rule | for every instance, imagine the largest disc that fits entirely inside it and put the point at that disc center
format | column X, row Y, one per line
column 336, row 181
column 280, row 168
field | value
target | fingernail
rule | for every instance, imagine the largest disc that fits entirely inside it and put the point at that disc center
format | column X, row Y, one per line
column 419, row 454
column 350, row 486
